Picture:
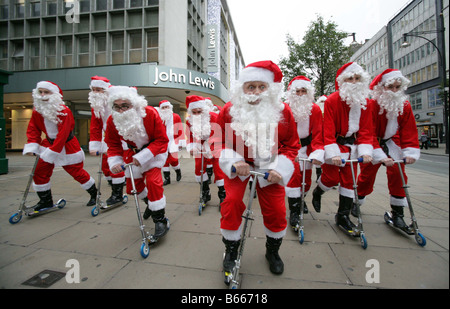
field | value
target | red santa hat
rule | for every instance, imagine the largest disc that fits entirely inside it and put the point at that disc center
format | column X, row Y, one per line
column 100, row 82
column 300, row 82
column 385, row 76
column 164, row 103
column 262, row 71
column 51, row 86
column 194, row 101
column 346, row 71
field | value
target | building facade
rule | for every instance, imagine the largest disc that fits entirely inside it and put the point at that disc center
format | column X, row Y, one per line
column 167, row 49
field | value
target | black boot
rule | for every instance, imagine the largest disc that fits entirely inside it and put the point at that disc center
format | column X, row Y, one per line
column 397, row 219
column 276, row 265
column 166, row 178
column 93, row 195
column 294, row 208
column 206, row 193
column 178, row 171
column 221, row 194
column 342, row 217
column 209, row 172
column 317, row 198
column 45, row 200
column 231, row 253
column 161, row 223
column 354, row 210
column 147, row 212
column 116, row 195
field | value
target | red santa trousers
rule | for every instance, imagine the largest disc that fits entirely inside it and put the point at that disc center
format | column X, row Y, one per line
column 172, row 160
column 115, row 178
column 218, row 173
column 333, row 175
column 152, row 183
column 271, row 200
column 44, row 171
column 295, row 184
column 366, row 179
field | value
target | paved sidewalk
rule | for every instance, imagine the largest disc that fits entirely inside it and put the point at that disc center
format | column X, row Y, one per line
column 107, row 247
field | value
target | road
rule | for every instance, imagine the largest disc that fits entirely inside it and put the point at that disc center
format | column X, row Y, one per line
column 432, row 163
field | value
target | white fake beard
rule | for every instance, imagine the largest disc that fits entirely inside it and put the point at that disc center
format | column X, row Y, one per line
column 391, row 102
column 165, row 115
column 98, row 102
column 200, row 125
column 129, row 124
column 301, row 106
column 50, row 108
column 354, row 94
column 256, row 124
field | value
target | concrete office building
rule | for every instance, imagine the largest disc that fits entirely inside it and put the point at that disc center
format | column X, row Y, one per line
column 168, row 49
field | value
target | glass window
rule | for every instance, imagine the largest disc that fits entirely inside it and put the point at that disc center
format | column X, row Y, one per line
column 118, row 4
column 51, row 7
column 434, row 99
column 35, row 8
column 100, row 50
column 50, row 54
column 4, row 9
column 102, row 5
column 135, row 3
column 416, row 101
column 66, row 51
column 117, row 49
column 19, row 9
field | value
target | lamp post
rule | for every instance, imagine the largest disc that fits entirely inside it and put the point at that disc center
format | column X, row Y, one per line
column 442, row 71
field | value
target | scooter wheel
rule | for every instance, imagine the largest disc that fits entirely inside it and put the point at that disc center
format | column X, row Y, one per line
column 145, row 250
column 301, row 237
column 421, row 240
column 95, row 211
column 363, row 241
column 200, row 208
column 61, row 203
column 125, row 199
column 387, row 217
column 15, row 218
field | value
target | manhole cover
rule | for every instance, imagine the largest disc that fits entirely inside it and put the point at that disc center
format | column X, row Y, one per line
column 44, row 279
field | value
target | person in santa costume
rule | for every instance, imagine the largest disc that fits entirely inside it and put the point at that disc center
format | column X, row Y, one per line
column 174, row 131
column 258, row 133
column 100, row 112
column 60, row 147
column 209, row 162
column 395, row 138
column 347, row 134
column 321, row 102
column 141, row 128
column 309, row 119
column 202, row 125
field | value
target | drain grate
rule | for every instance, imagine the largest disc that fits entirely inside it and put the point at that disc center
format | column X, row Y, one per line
column 44, row 279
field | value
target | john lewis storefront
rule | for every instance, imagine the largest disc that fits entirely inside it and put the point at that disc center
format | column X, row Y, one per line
column 155, row 82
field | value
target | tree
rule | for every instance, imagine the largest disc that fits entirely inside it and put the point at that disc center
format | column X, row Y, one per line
column 319, row 57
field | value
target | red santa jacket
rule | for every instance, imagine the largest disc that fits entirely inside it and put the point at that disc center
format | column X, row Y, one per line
column 60, row 147
column 340, row 120
column 153, row 146
column 202, row 145
column 399, row 134
column 312, row 129
column 232, row 148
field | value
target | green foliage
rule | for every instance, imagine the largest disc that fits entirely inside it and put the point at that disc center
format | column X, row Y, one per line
column 318, row 57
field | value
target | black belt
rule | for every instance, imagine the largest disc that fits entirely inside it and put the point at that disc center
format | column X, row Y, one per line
column 71, row 136
column 383, row 145
column 342, row 140
column 137, row 150
column 306, row 141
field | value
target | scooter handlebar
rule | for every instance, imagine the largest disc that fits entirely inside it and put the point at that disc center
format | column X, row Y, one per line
column 264, row 175
column 359, row 160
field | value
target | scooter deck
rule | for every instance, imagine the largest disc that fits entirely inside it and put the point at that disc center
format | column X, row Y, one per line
column 31, row 212
column 109, row 207
column 390, row 222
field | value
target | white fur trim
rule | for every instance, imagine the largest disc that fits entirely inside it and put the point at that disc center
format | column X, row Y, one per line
column 411, row 153
column 199, row 178
column 88, row 184
column 378, row 155
column 157, row 205
column 220, row 183
column 331, row 151
column 197, row 104
column 48, row 86
column 285, row 168
column 299, row 84
column 194, row 146
column 227, row 158
column 252, row 74
column 100, row 84
column 99, row 147
column 164, row 104
column 362, row 201
column 322, row 186
column 318, row 155
column 156, row 162
column 391, row 128
column 395, row 152
column 117, row 181
column 31, row 148
column 42, row 188
column 292, row 192
column 346, row 192
column 365, row 150
column 232, row 235
column 399, row 201
column 388, row 76
column 113, row 161
column 276, row 235
column 143, row 194
column 144, row 156
column 49, row 155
